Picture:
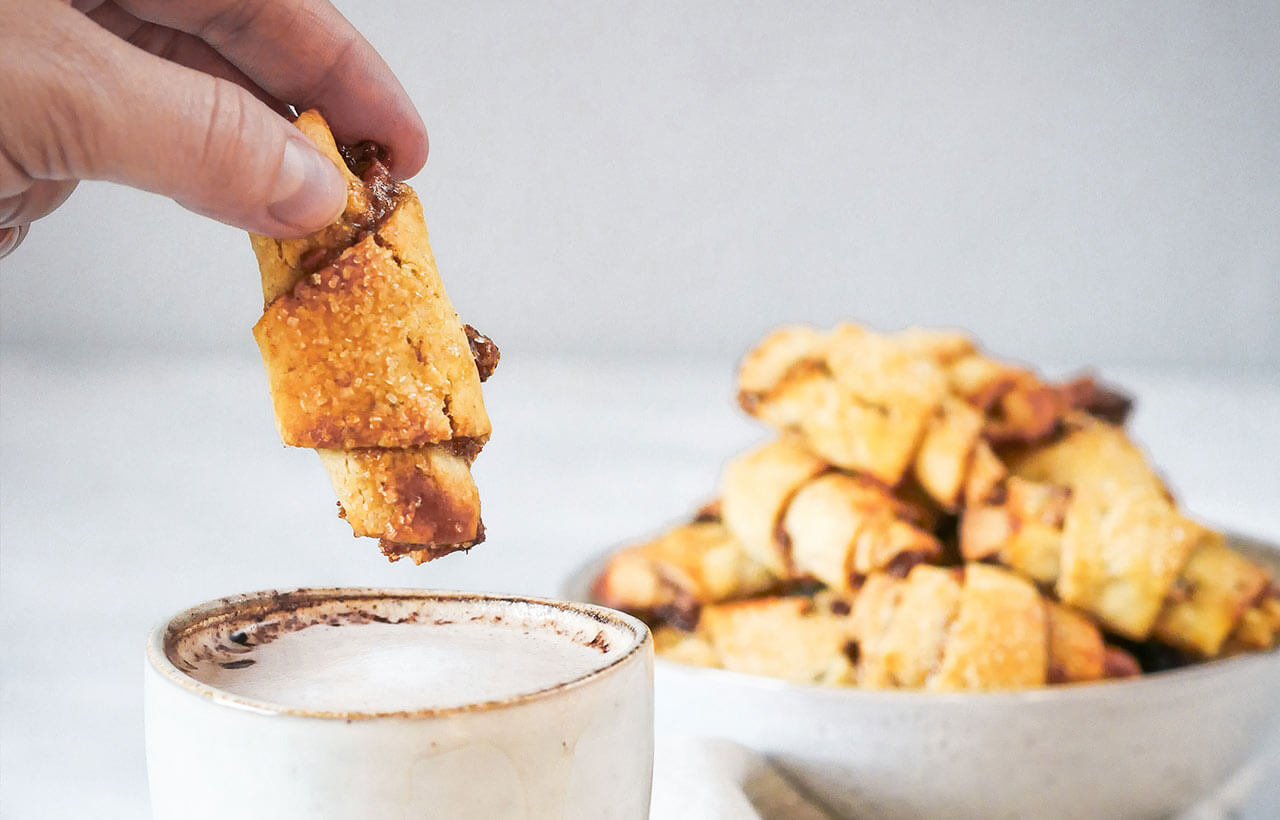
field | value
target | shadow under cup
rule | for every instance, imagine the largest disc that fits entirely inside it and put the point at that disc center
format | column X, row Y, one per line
column 258, row 705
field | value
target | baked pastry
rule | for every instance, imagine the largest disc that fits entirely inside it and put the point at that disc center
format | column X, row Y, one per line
column 797, row 515
column 979, row 628
column 1087, row 515
column 669, row 578
column 795, row 638
column 932, row 518
column 368, row 364
column 919, row 402
column 975, row 628
column 1259, row 626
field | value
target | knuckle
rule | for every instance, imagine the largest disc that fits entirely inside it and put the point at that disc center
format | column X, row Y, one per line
column 224, row 129
column 11, row 238
column 47, row 131
column 230, row 150
column 39, row 200
column 14, row 177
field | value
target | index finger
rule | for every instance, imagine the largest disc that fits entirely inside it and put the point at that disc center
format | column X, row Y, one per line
column 305, row 53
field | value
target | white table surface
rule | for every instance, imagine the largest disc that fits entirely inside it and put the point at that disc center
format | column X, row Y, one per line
column 132, row 487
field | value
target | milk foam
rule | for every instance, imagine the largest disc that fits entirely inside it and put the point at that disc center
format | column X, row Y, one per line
column 452, row 658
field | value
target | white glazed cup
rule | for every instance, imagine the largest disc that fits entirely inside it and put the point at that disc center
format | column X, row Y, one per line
column 582, row 748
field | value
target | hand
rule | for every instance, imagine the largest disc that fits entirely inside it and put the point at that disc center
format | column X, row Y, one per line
column 189, row 98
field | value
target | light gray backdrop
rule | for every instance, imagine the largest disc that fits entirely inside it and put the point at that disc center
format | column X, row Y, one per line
column 1075, row 182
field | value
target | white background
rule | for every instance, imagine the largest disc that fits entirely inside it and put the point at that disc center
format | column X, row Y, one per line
column 625, row 196
column 1074, row 181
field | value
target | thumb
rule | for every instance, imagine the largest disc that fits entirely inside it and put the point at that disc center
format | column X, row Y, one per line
column 127, row 116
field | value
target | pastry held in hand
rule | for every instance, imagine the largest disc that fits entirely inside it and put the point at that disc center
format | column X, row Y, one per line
column 369, row 364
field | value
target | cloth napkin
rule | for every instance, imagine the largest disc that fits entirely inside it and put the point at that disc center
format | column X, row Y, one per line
column 713, row 779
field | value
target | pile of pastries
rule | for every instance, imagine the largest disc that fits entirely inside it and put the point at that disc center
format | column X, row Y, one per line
column 929, row 517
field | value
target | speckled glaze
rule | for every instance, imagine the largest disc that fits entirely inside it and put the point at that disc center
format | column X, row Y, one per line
column 1149, row 747
column 578, row 749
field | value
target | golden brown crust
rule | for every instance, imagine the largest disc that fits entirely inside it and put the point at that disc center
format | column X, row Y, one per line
column 1123, row 542
column 904, row 648
column 801, row 519
column 943, row 461
column 688, row 566
column 355, row 360
column 1213, row 591
column 976, row 628
column 1022, row 529
column 999, row 638
column 684, row 647
column 1087, row 515
column 773, row 360
column 920, row 402
column 986, row 472
column 941, row 629
column 1076, row 649
column 909, row 464
column 1120, row 556
column 755, row 490
column 1091, row 451
column 409, row 496
column 790, row 638
column 858, row 402
column 842, row 528
column 368, row 363
column 1259, row 626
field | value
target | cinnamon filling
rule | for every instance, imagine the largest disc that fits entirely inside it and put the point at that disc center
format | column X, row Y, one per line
column 398, row 549
column 1117, row 663
column 370, row 162
column 900, row 565
column 483, row 350
column 1107, row 403
column 708, row 512
column 682, row 613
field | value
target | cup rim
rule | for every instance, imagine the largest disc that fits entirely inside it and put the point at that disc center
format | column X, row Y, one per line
column 222, row 608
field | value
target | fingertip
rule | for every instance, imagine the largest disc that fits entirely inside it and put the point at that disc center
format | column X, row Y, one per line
column 11, row 238
column 412, row 156
column 403, row 134
column 39, row 200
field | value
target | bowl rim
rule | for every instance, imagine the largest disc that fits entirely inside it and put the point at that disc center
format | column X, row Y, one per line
column 577, row 587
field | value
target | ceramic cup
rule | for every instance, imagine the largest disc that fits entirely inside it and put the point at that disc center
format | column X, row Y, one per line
column 529, row 739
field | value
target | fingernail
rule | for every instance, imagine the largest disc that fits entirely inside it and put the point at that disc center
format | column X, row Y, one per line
column 11, row 238
column 309, row 192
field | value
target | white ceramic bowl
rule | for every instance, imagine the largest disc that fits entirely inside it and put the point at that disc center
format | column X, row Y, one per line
column 1149, row 747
